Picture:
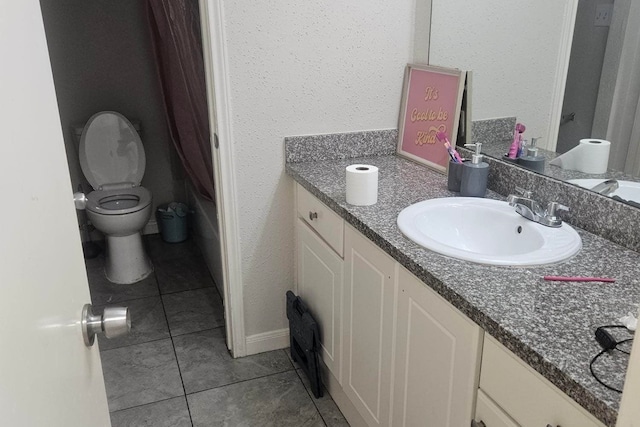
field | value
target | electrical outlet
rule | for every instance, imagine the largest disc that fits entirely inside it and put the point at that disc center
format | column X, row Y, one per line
column 603, row 15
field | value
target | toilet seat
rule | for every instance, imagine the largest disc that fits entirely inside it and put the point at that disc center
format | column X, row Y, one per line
column 111, row 151
column 118, row 202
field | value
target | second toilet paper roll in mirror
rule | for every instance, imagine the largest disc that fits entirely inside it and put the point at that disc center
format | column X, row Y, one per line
column 362, row 185
column 590, row 156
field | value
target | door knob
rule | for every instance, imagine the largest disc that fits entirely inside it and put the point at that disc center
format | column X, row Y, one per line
column 80, row 200
column 113, row 322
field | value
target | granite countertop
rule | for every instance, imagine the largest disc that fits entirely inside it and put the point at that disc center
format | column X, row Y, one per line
column 549, row 325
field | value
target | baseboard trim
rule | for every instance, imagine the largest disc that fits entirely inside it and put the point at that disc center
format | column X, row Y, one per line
column 151, row 227
column 267, row 341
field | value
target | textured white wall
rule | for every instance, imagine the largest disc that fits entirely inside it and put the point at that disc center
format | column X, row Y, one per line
column 298, row 67
column 513, row 49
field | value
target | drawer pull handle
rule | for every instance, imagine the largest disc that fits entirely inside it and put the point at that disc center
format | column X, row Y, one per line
column 475, row 423
column 313, row 215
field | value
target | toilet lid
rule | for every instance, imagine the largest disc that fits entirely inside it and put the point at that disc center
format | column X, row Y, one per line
column 111, row 151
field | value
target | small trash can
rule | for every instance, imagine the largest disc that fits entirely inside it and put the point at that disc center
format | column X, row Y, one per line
column 172, row 220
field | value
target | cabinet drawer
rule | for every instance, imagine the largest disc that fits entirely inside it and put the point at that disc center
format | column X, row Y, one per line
column 328, row 224
column 528, row 398
column 489, row 414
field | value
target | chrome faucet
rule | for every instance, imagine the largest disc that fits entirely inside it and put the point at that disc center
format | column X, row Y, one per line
column 530, row 209
column 606, row 187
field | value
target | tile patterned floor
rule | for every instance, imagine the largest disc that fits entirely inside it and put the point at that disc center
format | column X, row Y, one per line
column 174, row 369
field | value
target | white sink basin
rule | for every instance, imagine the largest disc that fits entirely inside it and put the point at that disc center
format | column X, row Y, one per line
column 627, row 190
column 486, row 231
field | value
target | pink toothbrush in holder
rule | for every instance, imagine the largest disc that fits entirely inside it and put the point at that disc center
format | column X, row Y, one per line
column 455, row 156
column 516, row 146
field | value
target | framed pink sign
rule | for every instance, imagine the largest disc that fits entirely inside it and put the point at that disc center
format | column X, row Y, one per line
column 431, row 100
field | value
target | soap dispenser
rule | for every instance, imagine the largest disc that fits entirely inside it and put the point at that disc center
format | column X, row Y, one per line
column 474, row 174
column 532, row 158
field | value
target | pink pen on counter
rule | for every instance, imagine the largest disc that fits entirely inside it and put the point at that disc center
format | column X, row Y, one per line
column 578, row 279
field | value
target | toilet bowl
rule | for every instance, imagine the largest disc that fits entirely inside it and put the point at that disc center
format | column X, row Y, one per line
column 113, row 161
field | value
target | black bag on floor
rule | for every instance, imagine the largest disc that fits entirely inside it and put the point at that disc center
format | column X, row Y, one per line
column 304, row 337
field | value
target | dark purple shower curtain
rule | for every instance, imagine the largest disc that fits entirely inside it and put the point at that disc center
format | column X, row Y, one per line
column 177, row 42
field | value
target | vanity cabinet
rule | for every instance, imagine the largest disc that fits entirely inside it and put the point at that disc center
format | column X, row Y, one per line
column 437, row 356
column 398, row 353
column 524, row 396
column 369, row 297
column 320, row 273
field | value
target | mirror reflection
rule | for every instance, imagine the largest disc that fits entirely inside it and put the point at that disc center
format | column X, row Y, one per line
column 567, row 70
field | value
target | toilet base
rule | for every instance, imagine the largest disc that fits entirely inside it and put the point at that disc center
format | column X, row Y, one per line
column 126, row 260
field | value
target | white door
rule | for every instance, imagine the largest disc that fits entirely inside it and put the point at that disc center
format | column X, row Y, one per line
column 47, row 375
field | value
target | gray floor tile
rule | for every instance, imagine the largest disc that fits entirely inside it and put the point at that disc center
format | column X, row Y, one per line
column 167, row 413
column 192, row 311
column 326, row 406
column 183, row 274
column 93, row 263
column 148, row 323
column 276, row 400
column 205, row 362
column 140, row 374
column 295, row 364
column 104, row 292
column 160, row 251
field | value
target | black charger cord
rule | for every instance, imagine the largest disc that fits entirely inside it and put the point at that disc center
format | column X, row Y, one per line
column 608, row 343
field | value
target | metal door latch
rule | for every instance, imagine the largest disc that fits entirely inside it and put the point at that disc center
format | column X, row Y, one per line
column 113, row 322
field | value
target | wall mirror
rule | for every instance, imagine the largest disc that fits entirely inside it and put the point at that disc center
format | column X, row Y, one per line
column 568, row 69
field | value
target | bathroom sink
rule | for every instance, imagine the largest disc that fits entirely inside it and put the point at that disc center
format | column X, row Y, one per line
column 486, row 231
column 627, row 190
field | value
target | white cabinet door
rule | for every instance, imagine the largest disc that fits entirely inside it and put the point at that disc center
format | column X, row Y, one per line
column 320, row 286
column 368, row 327
column 47, row 375
column 436, row 361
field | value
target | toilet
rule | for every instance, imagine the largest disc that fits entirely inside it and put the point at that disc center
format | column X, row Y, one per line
column 113, row 161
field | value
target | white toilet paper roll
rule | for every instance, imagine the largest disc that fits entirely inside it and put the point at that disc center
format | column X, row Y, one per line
column 362, row 185
column 590, row 156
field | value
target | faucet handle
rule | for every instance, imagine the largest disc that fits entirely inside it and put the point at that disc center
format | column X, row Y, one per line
column 553, row 207
column 524, row 193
